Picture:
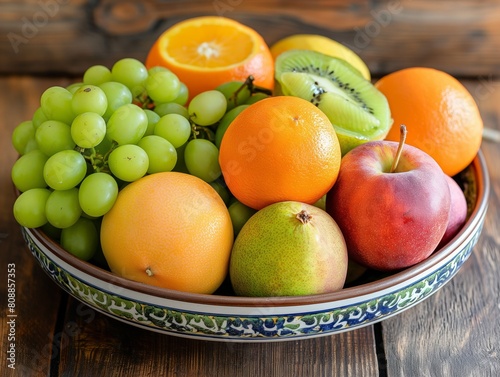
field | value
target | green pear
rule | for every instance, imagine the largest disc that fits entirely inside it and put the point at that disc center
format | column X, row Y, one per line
column 288, row 249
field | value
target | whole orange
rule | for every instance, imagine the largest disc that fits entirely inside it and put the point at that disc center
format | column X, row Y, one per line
column 280, row 148
column 170, row 230
column 440, row 115
column 207, row 51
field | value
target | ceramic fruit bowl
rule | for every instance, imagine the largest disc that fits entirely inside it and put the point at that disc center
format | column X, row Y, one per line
column 225, row 317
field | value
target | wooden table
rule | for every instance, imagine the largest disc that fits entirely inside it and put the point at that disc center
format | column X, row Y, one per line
column 455, row 332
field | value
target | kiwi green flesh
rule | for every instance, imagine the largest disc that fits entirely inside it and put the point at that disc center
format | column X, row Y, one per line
column 341, row 109
column 354, row 106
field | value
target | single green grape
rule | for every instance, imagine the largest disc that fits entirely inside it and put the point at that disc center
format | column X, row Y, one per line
column 54, row 136
column 207, row 108
column 117, row 95
column 56, row 104
column 23, row 137
column 157, row 68
column 97, row 194
column 27, row 171
column 174, row 128
column 140, row 95
column 81, row 239
column 72, row 88
column 183, row 96
column 127, row 125
column 130, row 72
column 321, row 203
column 239, row 214
column 236, row 93
column 128, row 162
column 162, row 86
column 153, row 118
column 161, row 153
column 38, row 117
column 171, row 108
column 88, row 130
column 180, row 166
column 89, row 98
column 202, row 159
column 222, row 190
column 51, row 231
column 29, row 208
column 256, row 97
column 226, row 121
column 103, row 147
column 64, row 170
column 63, row 208
column 96, row 75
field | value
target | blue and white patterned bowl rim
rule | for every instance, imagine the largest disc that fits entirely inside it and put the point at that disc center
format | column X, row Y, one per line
column 262, row 319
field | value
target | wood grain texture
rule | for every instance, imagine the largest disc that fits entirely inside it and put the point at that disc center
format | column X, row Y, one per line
column 460, row 37
column 456, row 331
column 103, row 346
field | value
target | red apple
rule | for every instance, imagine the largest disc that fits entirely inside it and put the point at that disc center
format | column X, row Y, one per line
column 391, row 219
column 458, row 212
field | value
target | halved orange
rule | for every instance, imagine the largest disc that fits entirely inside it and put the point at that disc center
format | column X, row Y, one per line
column 205, row 52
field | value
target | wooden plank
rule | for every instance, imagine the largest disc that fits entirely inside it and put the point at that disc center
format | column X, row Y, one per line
column 37, row 298
column 460, row 37
column 107, row 347
column 464, row 342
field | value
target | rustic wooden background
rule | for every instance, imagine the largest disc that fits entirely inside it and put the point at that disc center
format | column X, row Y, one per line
column 66, row 36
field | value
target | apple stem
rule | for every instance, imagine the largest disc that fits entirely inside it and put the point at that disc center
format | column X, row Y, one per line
column 402, row 140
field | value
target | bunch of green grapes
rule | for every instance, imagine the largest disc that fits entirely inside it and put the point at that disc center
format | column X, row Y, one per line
column 89, row 140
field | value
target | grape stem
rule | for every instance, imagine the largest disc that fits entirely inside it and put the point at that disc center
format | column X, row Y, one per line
column 251, row 87
column 144, row 101
column 196, row 132
column 98, row 161
column 256, row 88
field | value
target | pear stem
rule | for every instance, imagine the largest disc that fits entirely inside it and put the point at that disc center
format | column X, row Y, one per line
column 402, row 140
column 303, row 216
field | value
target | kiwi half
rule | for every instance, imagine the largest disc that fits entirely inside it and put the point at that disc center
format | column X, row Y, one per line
column 359, row 112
